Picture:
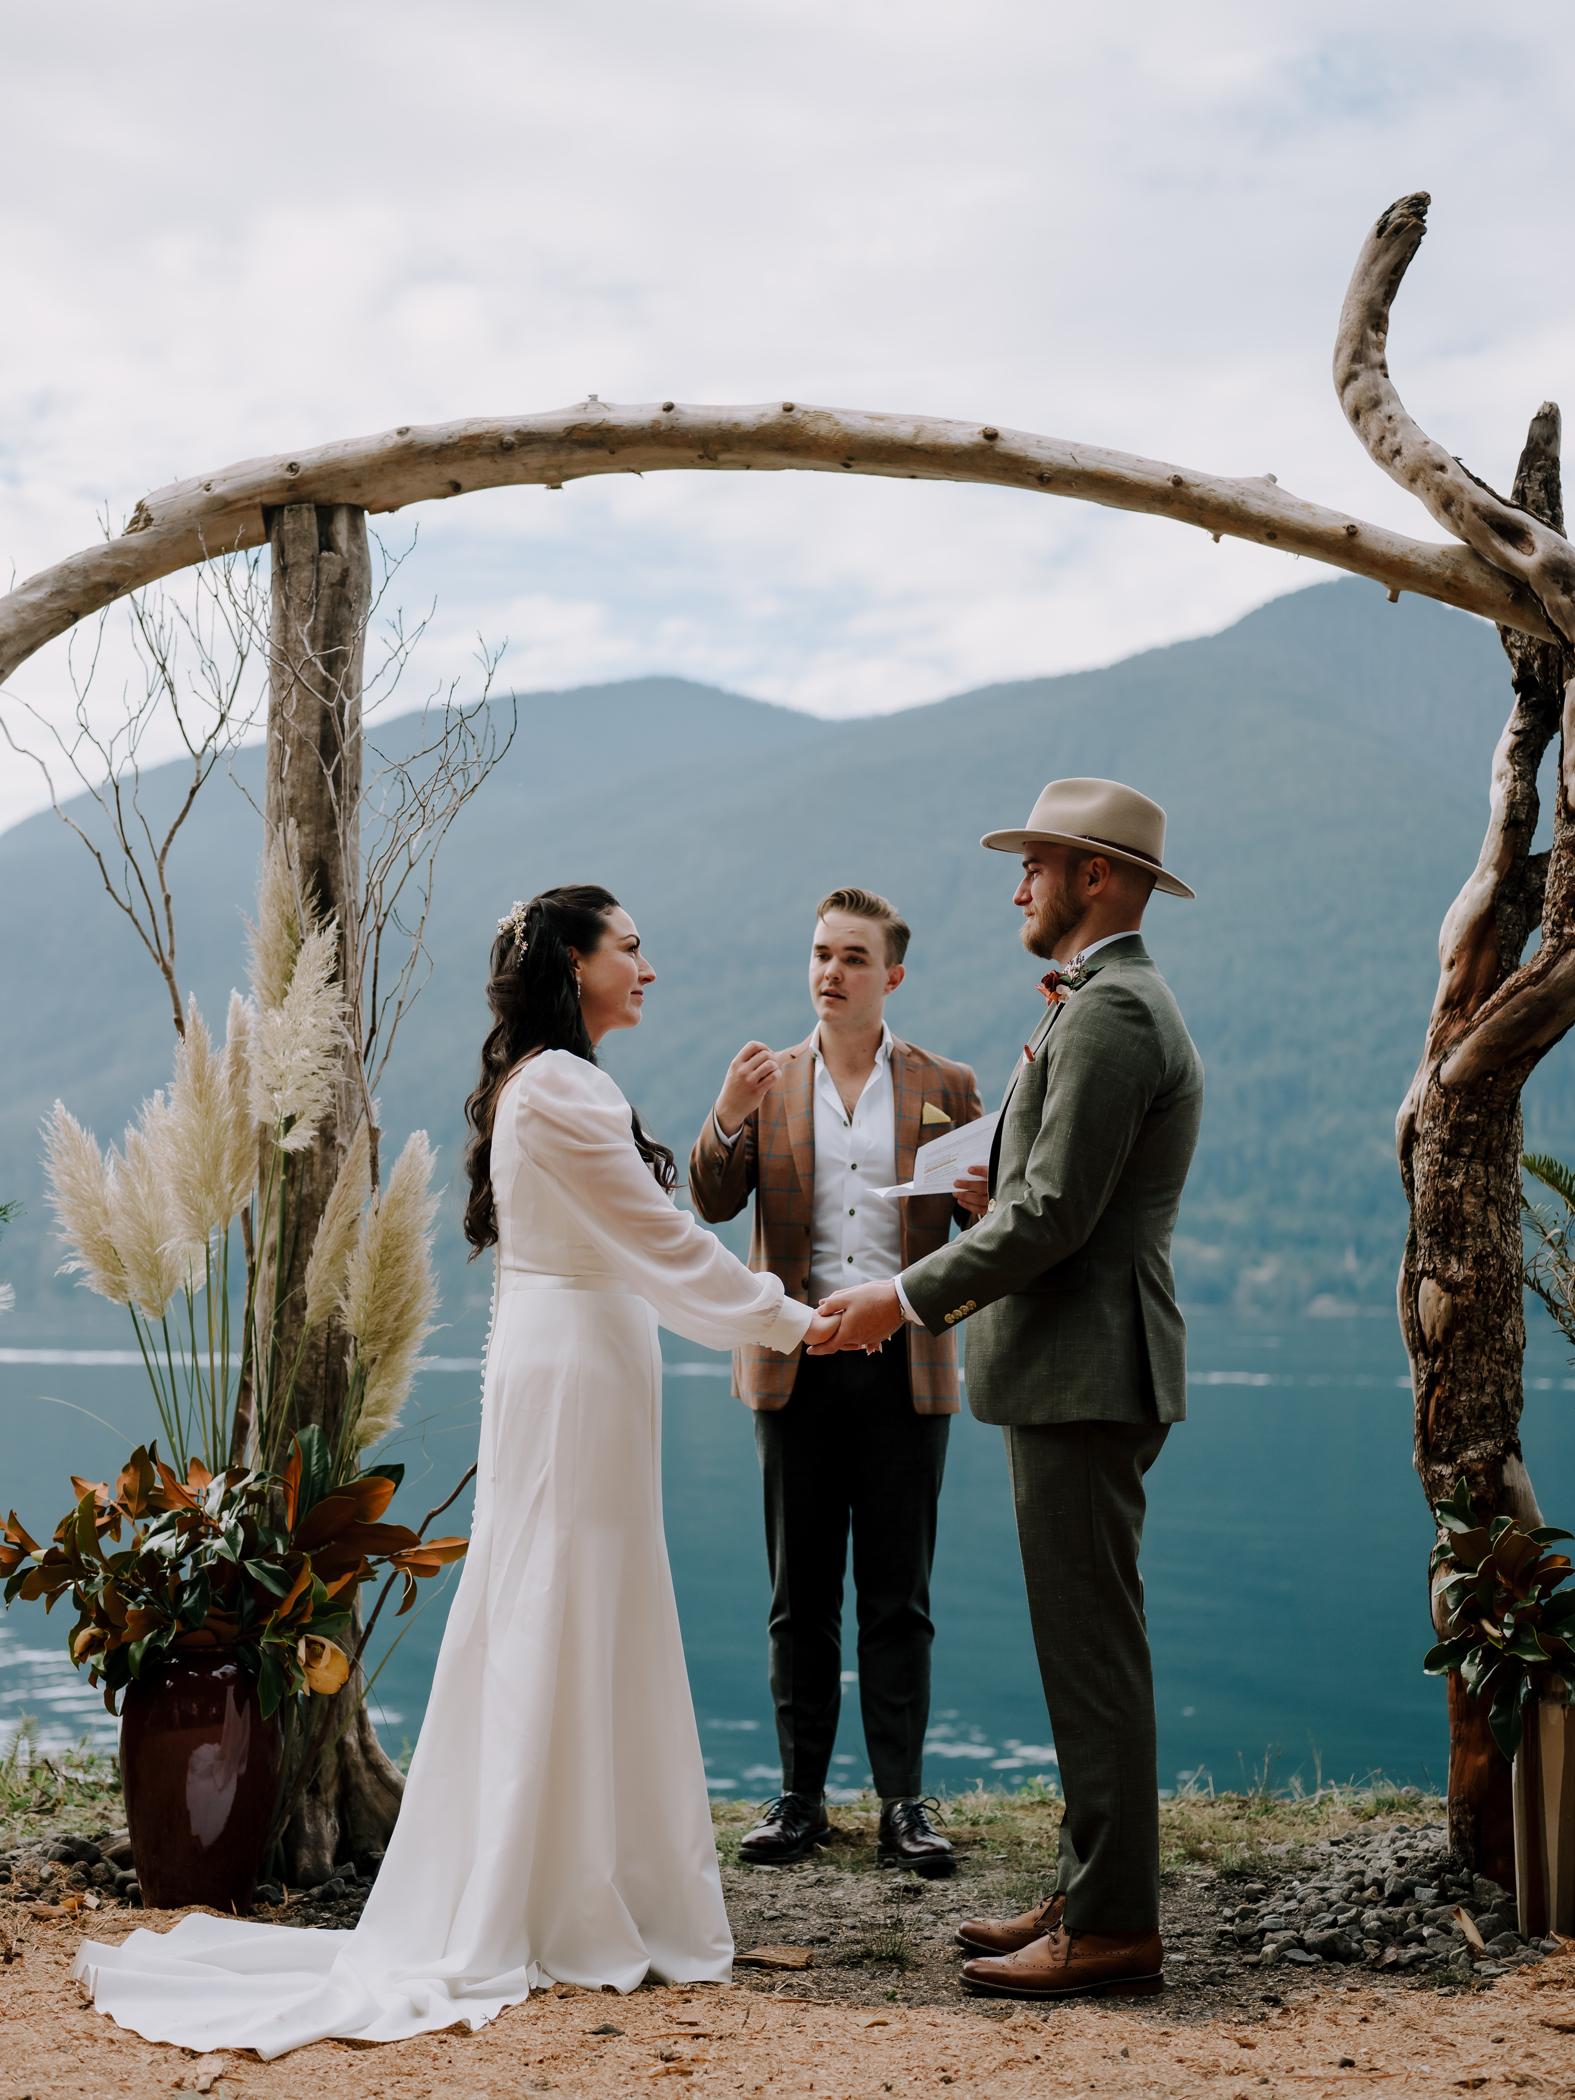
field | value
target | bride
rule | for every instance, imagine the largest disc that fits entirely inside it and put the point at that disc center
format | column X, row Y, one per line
column 555, row 1823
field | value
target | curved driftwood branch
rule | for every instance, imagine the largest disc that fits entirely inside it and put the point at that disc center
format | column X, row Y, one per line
column 1488, row 925
column 1535, row 554
column 217, row 514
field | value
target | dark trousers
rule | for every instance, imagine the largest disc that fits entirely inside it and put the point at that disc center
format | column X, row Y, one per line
column 847, row 1455
column 1079, row 1497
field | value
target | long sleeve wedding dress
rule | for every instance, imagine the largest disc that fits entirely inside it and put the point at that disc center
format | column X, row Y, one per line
column 555, row 1822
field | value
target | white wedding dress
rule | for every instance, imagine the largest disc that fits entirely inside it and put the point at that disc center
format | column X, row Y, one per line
column 555, row 1823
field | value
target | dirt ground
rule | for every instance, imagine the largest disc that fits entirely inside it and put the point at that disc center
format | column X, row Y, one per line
column 769, row 2037
column 878, row 2008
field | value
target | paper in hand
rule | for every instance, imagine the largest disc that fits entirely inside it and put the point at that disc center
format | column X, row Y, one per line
column 946, row 1159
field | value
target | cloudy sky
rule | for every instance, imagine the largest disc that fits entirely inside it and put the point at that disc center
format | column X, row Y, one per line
column 237, row 231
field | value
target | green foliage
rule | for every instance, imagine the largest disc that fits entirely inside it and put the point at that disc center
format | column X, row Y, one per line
column 1509, row 1619
column 259, row 1565
column 1550, row 1235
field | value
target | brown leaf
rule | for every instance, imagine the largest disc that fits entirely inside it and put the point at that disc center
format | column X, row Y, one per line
column 46, row 1910
column 1559, row 2026
column 291, row 1481
column 775, row 1957
column 1468, row 1925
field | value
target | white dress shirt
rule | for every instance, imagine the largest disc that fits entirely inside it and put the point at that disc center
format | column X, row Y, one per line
column 1082, row 956
column 855, row 1234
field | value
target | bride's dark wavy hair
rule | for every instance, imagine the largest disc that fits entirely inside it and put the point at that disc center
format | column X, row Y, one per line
column 535, row 1005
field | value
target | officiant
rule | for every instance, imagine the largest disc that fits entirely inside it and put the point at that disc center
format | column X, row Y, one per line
column 852, row 1447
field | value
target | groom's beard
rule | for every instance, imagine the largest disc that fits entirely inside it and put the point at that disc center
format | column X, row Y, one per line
column 1056, row 914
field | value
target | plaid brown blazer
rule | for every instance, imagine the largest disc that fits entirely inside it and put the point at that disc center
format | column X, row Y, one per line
column 773, row 1159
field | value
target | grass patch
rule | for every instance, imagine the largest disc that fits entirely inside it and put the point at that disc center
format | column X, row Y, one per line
column 1015, row 1834
column 890, row 1948
column 42, row 1792
column 1245, row 1831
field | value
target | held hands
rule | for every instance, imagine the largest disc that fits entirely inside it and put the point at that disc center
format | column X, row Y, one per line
column 972, row 1191
column 863, row 1318
column 820, row 1334
column 750, row 1077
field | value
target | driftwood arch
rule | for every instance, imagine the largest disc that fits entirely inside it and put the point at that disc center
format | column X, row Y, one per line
column 1494, row 1017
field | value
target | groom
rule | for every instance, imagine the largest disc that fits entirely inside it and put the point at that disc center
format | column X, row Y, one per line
column 1077, row 1349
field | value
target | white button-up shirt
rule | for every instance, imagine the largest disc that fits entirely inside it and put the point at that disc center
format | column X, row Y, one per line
column 855, row 1235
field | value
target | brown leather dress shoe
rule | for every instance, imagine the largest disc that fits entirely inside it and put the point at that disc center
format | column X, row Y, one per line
column 1065, row 1964
column 1006, row 1935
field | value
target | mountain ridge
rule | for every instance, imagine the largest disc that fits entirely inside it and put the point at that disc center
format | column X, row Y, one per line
column 1324, row 762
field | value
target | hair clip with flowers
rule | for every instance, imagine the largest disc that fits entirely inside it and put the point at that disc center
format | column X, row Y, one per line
column 513, row 920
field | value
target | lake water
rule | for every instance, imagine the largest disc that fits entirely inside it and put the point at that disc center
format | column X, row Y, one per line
column 1284, row 1562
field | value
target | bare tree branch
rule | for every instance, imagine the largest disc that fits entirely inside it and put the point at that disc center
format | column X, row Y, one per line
column 100, row 770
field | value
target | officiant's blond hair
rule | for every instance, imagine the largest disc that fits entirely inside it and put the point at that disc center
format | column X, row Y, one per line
column 866, row 904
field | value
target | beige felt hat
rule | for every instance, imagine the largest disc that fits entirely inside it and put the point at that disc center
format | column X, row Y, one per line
column 1100, row 816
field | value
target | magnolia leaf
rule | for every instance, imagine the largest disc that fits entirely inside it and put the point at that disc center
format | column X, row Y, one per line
column 176, row 1494
column 429, row 1555
column 324, row 1666
column 1477, row 1670
column 371, row 1495
column 1545, row 1534
column 1505, row 1720
column 292, row 1484
column 1446, row 1656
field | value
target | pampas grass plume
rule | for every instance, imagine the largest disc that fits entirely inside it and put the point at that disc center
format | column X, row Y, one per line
column 146, row 1229
column 240, row 1145
column 297, row 1045
column 82, row 1197
column 390, row 1294
column 208, row 1182
column 337, row 1229
column 275, row 938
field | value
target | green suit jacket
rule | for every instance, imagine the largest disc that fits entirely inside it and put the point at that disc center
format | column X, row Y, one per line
column 1066, row 1282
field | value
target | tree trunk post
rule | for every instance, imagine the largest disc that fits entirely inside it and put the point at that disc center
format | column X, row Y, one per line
column 321, row 603
column 1461, row 1292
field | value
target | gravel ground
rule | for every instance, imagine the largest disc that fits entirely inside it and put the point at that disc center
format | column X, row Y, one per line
column 1310, row 1947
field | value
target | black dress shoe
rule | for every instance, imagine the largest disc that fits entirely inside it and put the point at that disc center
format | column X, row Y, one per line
column 789, row 1827
column 909, row 1839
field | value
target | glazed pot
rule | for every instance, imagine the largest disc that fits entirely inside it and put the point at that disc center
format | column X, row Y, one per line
column 1544, row 1795
column 200, row 1770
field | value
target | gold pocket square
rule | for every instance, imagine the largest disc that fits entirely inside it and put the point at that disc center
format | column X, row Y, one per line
column 931, row 1114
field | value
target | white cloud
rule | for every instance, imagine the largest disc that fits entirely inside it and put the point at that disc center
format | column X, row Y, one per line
column 229, row 233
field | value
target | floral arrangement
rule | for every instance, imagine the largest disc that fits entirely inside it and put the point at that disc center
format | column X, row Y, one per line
column 259, row 1565
column 1509, row 1619
column 239, row 1528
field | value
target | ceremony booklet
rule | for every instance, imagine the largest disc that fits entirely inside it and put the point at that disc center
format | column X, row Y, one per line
column 946, row 1158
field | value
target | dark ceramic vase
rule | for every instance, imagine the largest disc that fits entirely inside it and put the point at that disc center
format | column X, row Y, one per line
column 200, row 1770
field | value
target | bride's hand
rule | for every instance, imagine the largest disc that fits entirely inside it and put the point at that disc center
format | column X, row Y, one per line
column 821, row 1331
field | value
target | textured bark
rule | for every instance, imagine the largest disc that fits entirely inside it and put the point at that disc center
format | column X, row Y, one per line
column 216, row 514
column 1506, row 533
column 1461, row 1297
column 321, row 601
